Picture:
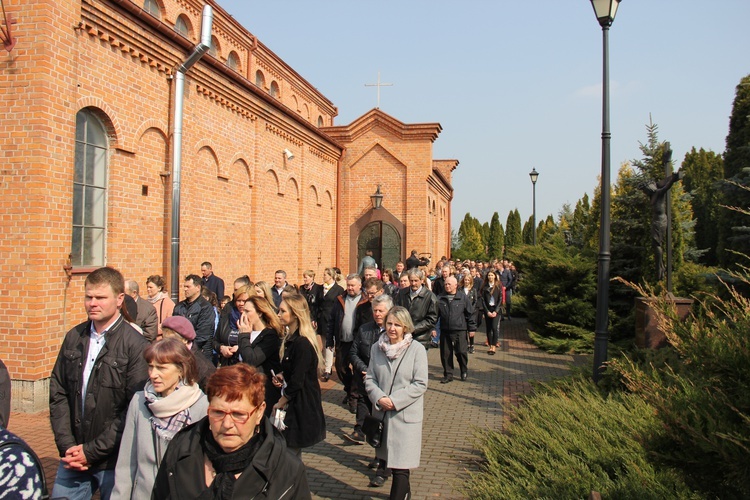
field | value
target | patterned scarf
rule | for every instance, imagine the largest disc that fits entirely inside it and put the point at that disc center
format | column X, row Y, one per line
column 393, row 351
column 156, row 298
column 170, row 413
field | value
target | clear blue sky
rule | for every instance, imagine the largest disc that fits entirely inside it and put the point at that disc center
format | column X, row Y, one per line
column 517, row 84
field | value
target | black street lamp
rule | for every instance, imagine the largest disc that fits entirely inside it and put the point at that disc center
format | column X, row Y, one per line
column 605, row 11
column 534, row 176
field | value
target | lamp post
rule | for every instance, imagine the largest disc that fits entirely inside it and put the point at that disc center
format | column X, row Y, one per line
column 534, row 175
column 605, row 11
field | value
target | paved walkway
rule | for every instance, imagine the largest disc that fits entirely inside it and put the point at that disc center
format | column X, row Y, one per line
column 338, row 468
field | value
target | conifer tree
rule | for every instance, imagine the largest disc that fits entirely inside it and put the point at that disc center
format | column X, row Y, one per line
column 703, row 172
column 513, row 232
column 580, row 221
column 495, row 241
column 734, row 232
column 469, row 244
column 528, row 235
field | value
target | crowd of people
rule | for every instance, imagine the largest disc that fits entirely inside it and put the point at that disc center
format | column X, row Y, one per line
column 216, row 396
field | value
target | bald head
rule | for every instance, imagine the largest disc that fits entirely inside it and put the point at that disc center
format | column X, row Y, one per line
column 450, row 285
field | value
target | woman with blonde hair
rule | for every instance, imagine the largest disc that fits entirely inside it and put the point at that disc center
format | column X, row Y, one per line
column 263, row 289
column 260, row 334
column 301, row 360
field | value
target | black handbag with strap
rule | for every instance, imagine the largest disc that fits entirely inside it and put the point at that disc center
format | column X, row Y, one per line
column 373, row 427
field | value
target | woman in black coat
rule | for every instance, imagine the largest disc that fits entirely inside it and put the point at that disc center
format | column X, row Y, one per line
column 300, row 361
column 260, row 342
column 331, row 291
column 234, row 452
column 226, row 337
column 492, row 293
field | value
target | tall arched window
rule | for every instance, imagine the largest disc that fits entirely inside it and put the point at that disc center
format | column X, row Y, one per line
column 274, row 90
column 89, row 192
column 214, row 49
column 260, row 80
column 320, row 121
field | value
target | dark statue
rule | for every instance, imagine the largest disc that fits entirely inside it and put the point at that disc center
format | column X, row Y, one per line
column 657, row 193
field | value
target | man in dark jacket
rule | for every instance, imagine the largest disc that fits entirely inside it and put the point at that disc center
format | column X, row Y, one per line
column 457, row 318
column 349, row 312
column 211, row 281
column 422, row 306
column 99, row 368
column 201, row 314
column 413, row 262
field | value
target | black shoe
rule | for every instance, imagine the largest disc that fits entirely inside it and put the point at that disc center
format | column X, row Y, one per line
column 471, row 349
column 377, row 481
column 326, row 376
column 464, row 376
column 374, row 463
column 434, row 345
column 353, row 407
column 346, row 400
column 446, row 380
column 355, row 437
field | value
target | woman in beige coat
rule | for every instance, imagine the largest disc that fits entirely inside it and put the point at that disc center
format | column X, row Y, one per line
column 396, row 360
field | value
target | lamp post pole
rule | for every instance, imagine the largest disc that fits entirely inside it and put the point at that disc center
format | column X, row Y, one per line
column 605, row 12
column 534, row 175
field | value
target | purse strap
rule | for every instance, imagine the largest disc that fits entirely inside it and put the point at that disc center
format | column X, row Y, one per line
column 393, row 380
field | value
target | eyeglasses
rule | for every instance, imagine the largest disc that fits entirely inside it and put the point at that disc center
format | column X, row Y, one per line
column 239, row 417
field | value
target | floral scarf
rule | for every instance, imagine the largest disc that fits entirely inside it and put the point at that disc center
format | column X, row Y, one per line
column 393, row 351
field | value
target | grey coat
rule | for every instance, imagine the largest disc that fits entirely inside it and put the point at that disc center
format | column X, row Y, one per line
column 402, row 437
column 137, row 466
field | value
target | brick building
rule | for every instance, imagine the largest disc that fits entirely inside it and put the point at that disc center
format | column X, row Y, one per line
column 267, row 180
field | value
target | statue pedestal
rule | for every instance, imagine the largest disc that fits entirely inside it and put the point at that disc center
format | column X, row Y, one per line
column 647, row 332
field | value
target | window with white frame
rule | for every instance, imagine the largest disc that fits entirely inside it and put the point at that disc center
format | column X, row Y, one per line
column 89, row 191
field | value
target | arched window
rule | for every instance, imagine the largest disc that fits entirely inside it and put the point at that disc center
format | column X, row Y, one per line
column 260, row 80
column 274, row 91
column 182, row 26
column 152, row 7
column 320, row 121
column 89, row 191
column 214, row 49
column 233, row 61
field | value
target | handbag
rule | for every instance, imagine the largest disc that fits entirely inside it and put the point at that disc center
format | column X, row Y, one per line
column 373, row 427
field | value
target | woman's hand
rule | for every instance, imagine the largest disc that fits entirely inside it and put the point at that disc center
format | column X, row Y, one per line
column 278, row 381
column 227, row 351
column 281, row 403
column 244, row 324
column 386, row 404
column 492, row 314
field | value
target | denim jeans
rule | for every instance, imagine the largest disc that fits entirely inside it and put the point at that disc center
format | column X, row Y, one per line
column 81, row 485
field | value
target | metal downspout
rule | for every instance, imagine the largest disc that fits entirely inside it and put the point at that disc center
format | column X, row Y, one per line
column 179, row 99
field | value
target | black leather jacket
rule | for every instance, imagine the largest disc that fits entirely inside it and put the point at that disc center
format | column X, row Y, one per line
column 120, row 371
column 273, row 472
column 201, row 314
column 457, row 314
column 368, row 334
column 423, row 310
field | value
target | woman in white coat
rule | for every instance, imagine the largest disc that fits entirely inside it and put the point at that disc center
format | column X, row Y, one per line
column 398, row 361
column 170, row 401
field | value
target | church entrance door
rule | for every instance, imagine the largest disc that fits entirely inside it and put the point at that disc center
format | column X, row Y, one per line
column 383, row 240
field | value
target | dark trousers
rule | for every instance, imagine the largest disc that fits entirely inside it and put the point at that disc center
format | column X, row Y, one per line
column 400, row 488
column 453, row 343
column 364, row 406
column 508, row 297
column 344, row 367
column 493, row 328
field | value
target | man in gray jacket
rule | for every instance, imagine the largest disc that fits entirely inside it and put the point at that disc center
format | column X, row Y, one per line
column 456, row 315
column 422, row 306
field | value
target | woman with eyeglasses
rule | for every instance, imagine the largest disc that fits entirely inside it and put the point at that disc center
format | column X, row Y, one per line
column 301, row 361
column 235, row 452
column 226, row 340
column 170, row 401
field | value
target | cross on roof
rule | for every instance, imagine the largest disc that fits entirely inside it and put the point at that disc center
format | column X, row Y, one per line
column 378, row 85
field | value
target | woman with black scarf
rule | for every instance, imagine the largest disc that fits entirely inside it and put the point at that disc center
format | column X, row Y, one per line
column 233, row 453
